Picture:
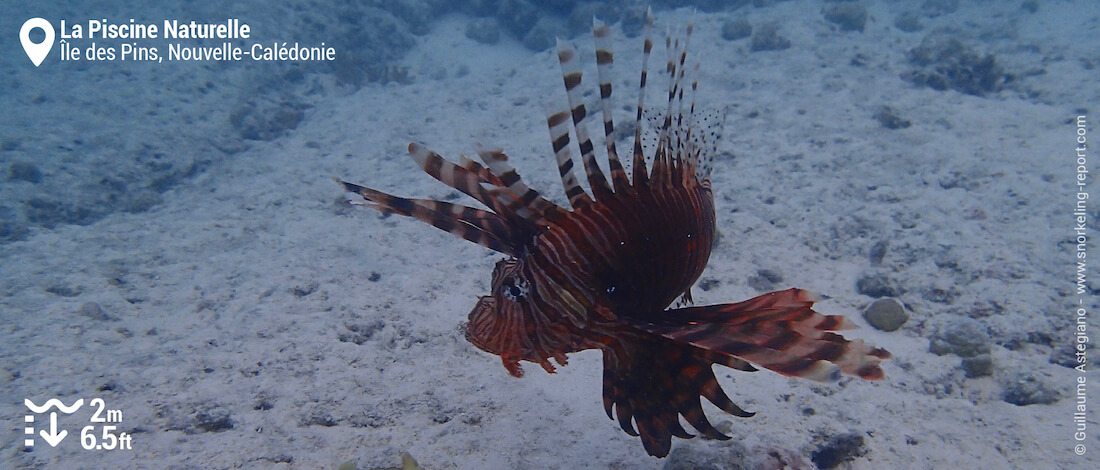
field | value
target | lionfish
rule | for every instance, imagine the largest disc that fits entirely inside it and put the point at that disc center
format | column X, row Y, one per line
column 604, row 274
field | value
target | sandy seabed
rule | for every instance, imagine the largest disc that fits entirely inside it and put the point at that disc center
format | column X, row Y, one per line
column 251, row 319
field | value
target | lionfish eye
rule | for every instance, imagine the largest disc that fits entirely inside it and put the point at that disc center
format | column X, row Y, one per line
column 515, row 288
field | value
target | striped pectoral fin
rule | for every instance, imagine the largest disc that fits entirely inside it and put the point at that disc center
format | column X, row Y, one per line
column 482, row 172
column 778, row 331
column 476, row 225
column 515, row 197
column 466, row 177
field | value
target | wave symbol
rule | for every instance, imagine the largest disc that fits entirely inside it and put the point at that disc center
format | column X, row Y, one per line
column 51, row 403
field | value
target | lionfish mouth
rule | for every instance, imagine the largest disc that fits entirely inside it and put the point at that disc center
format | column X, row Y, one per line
column 602, row 275
column 465, row 327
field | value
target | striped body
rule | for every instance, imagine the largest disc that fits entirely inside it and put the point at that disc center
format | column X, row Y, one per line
column 603, row 274
column 636, row 250
column 620, row 255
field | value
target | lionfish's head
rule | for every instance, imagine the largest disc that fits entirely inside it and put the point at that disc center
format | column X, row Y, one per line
column 507, row 322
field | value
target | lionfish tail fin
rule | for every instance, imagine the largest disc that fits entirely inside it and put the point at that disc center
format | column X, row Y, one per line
column 778, row 331
column 650, row 382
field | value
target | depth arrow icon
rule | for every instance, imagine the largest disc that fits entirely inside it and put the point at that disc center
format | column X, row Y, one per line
column 53, row 438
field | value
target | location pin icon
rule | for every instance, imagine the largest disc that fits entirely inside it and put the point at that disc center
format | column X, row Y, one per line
column 37, row 52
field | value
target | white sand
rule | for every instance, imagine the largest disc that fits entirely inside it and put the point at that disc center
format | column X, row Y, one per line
column 237, row 289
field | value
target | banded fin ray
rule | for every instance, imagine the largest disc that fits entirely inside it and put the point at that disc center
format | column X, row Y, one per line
column 669, row 145
column 467, row 178
column 482, row 172
column 517, row 200
column 558, row 123
column 604, row 59
column 572, row 77
column 527, row 203
column 778, row 331
column 516, row 212
column 641, row 177
column 476, row 225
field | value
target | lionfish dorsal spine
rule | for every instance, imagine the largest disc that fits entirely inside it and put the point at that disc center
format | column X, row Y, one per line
column 639, row 166
column 558, row 123
column 601, row 35
column 692, row 151
column 669, row 144
column 572, row 77
column 682, row 130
